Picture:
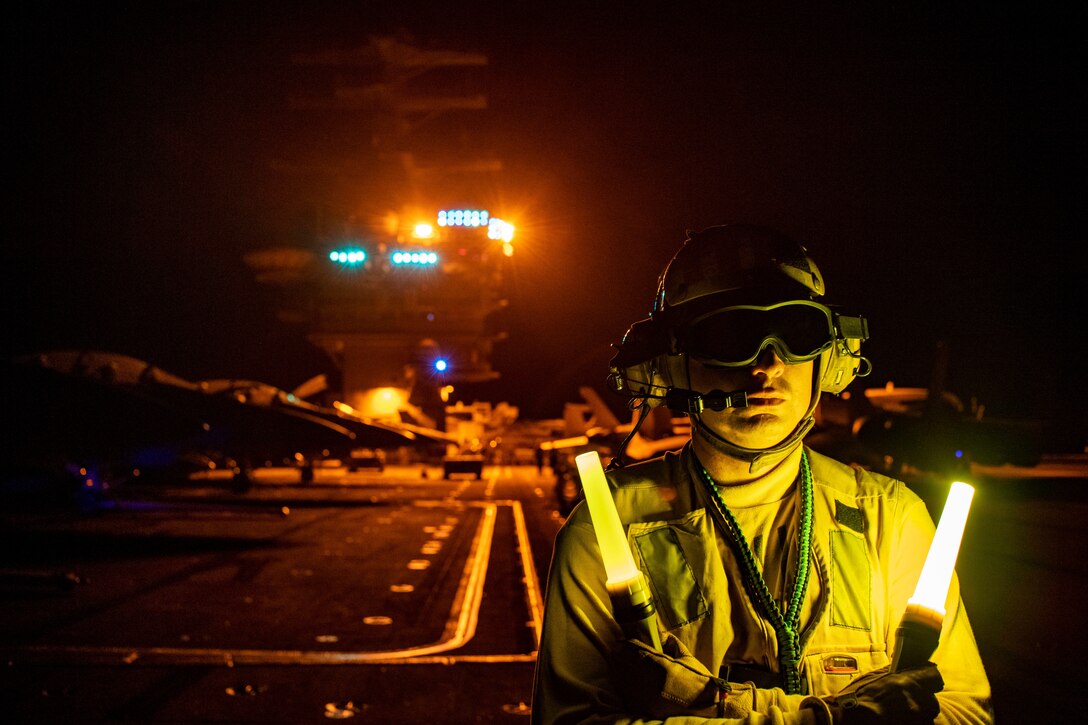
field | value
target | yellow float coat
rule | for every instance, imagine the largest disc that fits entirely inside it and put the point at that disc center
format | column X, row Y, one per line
column 870, row 539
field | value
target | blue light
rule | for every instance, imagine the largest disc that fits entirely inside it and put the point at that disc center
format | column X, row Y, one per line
column 441, row 365
column 462, row 218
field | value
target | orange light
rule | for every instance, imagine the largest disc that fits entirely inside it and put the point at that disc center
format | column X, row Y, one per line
column 423, row 231
column 500, row 230
column 564, row 443
column 381, row 402
column 343, row 407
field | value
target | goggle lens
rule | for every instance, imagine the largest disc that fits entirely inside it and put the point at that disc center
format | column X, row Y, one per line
column 735, row 336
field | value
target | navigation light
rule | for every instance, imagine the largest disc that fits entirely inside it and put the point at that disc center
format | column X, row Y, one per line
column 498, row 229
column 414, row 257
column 351, row 256
column 462, row 218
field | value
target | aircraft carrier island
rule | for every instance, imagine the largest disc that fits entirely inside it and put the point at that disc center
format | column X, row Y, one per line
column 399, row 274
column 405, row 317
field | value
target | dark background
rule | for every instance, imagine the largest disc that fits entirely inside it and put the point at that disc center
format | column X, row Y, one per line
column 930, row 157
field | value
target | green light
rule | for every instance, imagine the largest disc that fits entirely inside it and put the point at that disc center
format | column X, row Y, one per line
column 351, row 256
column 417, row 258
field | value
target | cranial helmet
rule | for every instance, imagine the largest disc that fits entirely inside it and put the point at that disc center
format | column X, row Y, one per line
column 729, row 293
column 735, row 263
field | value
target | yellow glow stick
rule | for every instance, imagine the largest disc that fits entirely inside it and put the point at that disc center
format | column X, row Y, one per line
column 932, row 589
column 631, row 603
column 920, row 629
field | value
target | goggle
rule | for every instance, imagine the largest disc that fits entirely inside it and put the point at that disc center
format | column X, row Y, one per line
column 798, row 331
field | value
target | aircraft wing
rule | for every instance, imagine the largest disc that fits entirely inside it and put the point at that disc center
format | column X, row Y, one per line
column 641, row 449
column 658, row 434
column 428, row 435
column 253, row 428
column 367, row 433
column 234, row 421
column 75, row 409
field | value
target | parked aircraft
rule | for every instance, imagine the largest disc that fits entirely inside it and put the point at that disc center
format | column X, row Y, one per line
column 593, row 424
column 894, row 429
column 80, row 418
column 120, row 416
column 316, row 388
column 370, row 433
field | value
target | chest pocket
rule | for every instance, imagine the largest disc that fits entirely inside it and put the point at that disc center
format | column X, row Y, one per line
column 851, row 581
column 672, row 554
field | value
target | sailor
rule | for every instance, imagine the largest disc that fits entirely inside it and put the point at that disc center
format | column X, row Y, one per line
column 779, row 575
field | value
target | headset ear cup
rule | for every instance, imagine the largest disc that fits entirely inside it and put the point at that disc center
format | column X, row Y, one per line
column 647, row 380
column 641, row 380
column 840, row 365
column 664, row 372
column 671, row 370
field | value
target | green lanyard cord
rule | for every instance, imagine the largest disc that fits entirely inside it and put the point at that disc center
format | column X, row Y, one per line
column 787, row 625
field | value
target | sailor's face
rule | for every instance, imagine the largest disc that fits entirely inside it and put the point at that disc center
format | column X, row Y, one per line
column 778, row 398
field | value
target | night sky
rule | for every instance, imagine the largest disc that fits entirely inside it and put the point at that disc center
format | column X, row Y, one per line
column 930, row 158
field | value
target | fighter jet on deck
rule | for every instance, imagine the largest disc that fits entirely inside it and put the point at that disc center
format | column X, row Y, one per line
column 898, row 429
column 592, row 424
column 366, row 433
column 120, row 417
column 83, row 416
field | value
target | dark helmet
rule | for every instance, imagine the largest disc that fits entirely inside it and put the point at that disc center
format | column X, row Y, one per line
column 734, row 264
column 727, row 294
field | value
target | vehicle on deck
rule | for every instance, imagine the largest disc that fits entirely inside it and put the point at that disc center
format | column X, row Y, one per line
column 463, row 463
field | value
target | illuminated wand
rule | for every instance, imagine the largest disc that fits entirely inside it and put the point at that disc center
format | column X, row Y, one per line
column 632, row 606
column 920, row 629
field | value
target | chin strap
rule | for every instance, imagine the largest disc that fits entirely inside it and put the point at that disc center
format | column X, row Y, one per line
column 759, row 458
column 683, row 400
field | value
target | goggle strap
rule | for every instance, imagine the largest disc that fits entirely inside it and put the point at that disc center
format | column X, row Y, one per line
column 852, row 328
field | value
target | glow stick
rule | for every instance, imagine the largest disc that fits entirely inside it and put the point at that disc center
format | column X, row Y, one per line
column 932, row 589
column 920, row 629
column 631, row 603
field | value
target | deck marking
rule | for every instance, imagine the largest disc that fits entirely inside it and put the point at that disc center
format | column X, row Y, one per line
column 459, row 629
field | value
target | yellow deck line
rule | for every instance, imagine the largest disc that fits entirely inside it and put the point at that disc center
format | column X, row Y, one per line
column 460, row 627
column 532, row 583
